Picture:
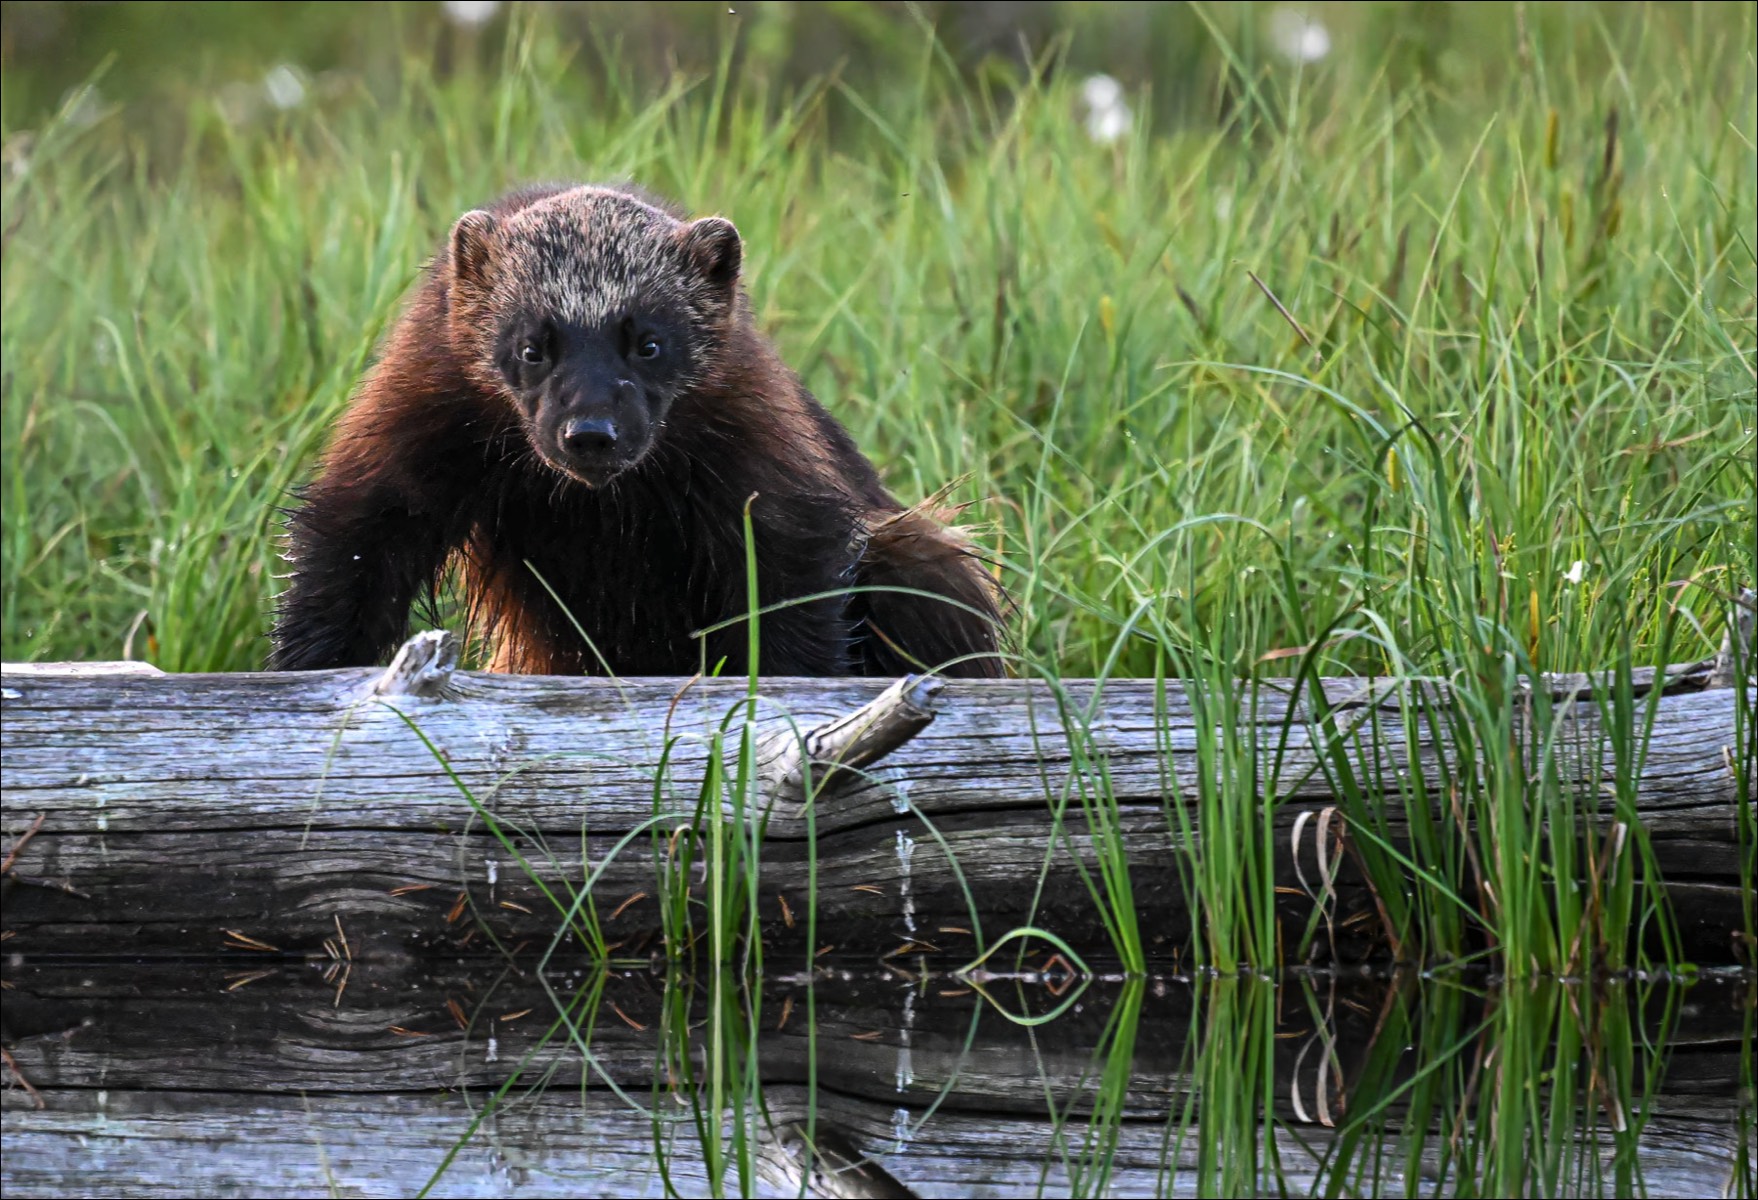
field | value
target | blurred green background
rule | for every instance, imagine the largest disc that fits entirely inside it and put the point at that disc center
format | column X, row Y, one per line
column 157, row 57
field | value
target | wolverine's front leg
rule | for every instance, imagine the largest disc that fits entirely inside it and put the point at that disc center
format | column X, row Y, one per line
column 361, row 553
column 805, row 563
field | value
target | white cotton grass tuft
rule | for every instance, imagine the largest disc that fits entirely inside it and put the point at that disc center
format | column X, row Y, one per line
column 284, row 86
column 470, row 14
column 1297, row 36
column 82, row 106
column 1107, row 112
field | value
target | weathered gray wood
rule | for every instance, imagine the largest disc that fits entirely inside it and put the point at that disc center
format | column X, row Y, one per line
column 127, row 666
column 1735, row 655
column 177, row 807
column 321, row 750
column 398, row 893
column 423, row 667
column 173, row 1144
column 832, row 759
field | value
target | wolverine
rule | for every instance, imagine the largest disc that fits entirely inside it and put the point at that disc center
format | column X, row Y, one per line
column 578, row 410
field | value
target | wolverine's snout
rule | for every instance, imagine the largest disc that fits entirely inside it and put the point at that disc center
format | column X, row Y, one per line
column 594, row 423
column 589, row 436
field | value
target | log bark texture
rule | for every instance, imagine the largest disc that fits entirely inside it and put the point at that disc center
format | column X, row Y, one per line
column 173, row 809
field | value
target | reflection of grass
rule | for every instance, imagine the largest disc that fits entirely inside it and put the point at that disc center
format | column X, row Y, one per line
column 1089, row 1171
column 1523, row 1088
column 710, row 1066
column 1532, row 1089
column 1227, row 1116
column 1541, row 1090
column 1746, row 1119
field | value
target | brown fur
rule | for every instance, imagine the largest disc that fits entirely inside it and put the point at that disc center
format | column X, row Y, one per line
column 457, row 446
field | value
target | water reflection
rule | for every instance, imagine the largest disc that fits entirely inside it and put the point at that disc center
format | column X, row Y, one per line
column 179, row 1078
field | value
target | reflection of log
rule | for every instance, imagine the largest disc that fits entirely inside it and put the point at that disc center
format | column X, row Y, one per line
column 184, row 806
column 160, row 1080
column 177, row 1144
column 288, row 1027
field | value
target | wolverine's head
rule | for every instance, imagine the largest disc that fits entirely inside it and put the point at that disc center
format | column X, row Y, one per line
column 591, row 311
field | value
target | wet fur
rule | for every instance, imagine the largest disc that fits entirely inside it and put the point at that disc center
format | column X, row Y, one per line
column 431, row 464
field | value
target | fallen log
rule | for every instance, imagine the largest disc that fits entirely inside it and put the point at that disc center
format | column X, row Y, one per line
column 199, row 814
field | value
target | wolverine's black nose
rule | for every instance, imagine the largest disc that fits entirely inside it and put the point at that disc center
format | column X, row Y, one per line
column 589, row 435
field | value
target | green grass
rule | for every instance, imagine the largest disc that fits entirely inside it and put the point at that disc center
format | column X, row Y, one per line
column 1522, row 341
column 1445, row 374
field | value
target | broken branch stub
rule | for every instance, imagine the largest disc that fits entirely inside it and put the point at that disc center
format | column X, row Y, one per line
column 836, row 752
column 422, row 668
column 1736, row 644
column 826, row 1164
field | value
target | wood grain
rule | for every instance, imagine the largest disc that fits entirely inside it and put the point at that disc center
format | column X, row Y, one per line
column 177, row 807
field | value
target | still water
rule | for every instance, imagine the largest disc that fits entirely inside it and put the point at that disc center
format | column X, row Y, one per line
column 360, row 1079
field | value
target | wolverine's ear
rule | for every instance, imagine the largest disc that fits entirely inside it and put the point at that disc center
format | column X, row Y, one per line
column 712, row 245
column 471, row 239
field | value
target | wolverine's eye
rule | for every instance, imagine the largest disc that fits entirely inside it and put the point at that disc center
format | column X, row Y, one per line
column 648, row 347
column 531, row 353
